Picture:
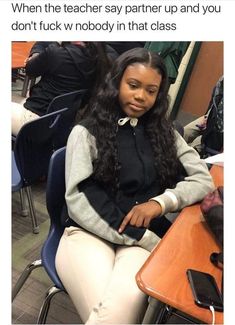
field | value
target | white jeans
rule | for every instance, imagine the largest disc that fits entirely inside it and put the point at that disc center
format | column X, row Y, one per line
column 100, row 278
column 19, row 116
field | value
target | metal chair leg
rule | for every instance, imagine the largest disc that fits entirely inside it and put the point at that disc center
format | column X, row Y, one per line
column 24, row 276
column 46, row 304
column 24, row 210
column 25, row 86
column 32, row 210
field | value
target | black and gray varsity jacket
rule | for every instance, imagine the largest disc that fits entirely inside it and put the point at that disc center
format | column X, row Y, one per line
column 93, row 208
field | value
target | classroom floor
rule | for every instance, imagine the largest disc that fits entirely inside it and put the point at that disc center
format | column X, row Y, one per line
column 26, row 248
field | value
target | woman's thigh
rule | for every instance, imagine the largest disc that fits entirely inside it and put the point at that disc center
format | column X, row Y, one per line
column 84, row 263
column 123, row 302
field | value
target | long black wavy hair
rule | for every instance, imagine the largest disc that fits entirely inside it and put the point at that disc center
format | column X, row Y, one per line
column 105, row 112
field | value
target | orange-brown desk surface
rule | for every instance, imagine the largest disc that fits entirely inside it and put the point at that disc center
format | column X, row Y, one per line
column 20, row 52
column 187, row 244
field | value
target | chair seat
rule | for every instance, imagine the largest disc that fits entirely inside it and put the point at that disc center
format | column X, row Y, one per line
column 16, row 180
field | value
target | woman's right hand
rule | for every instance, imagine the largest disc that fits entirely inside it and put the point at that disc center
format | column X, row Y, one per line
column 141, row 215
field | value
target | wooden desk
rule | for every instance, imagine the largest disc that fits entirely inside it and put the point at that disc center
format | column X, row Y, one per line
column 187, row 244
column 19, row 53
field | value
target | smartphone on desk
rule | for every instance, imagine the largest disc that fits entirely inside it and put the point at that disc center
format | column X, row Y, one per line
column 205, row 290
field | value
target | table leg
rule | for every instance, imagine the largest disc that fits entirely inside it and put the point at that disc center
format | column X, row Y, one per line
column 154, row 311
column 25, row 86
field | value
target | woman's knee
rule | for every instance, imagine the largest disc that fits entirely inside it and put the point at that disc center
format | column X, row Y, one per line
column 125, row 309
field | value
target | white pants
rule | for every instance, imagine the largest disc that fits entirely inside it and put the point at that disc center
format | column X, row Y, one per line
column 100, row 278
column 19, row 116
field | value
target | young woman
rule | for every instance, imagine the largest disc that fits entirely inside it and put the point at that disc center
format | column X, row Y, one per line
column 124, row 170
column 63, row 68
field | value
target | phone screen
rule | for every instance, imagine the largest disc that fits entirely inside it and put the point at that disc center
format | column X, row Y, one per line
column 205, row 290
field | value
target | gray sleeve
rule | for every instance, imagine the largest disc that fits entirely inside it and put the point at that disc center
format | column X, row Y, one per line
column 195, row 185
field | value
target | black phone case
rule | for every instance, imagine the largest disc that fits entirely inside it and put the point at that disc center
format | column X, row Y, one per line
column 207, row 299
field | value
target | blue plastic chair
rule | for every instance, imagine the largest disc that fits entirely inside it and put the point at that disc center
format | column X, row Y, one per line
column 33, row 148
column 56, row 207
column 16, row 182
column 73, row 101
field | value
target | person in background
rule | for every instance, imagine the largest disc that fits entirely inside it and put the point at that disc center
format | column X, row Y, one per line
column 206, row 133
column 63, row 68
column 124, row 170
column 121, row 47
column 37, row 48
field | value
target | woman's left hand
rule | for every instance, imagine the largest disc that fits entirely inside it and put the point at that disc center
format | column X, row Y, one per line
column 141, row 215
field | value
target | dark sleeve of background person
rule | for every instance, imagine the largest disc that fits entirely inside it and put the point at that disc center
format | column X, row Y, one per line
column 39, row 47
column 40, row 64
column 121, row 47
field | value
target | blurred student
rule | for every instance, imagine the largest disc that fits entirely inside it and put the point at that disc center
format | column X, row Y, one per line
column 121, row 47
column 206, row 134
column 37, row 48
column 63, row 68
column 124, row 170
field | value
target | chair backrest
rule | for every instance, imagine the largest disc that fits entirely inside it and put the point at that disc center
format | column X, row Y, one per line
column 71, row 100
column 74, row 101
column 55, row 198
column 55, row 193
column 34, row 146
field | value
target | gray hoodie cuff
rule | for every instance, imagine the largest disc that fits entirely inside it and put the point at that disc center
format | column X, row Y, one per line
column 149, row 240
column 168, row 202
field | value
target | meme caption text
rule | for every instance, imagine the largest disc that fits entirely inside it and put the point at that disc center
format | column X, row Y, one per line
column 95, row 16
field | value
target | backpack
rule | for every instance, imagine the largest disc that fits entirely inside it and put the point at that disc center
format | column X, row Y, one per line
column 212, row 208
column 213, row 135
